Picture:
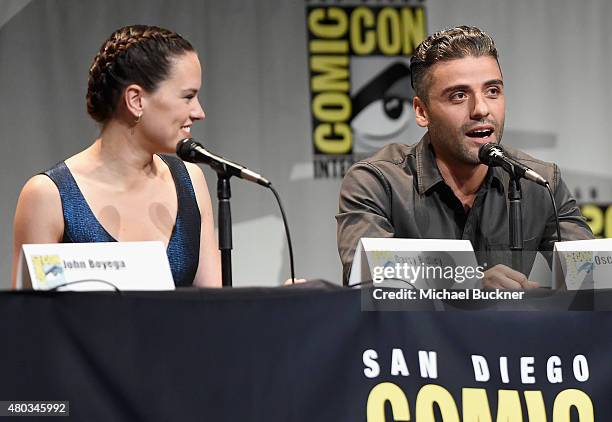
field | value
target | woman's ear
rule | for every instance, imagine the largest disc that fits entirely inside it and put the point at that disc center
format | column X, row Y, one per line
column 420, row 112
column 132, row 98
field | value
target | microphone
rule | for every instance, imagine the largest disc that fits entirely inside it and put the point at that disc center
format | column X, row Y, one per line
column 194, row 152
column 493, row 155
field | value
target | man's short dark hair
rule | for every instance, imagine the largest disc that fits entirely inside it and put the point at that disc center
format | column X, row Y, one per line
column 448, row 44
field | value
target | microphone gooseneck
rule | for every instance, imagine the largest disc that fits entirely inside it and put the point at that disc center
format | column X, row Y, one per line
column 194, row 152
column 494, row 155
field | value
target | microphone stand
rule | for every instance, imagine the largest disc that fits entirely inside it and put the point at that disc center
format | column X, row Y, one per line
column 224, row 193
column 515, row 222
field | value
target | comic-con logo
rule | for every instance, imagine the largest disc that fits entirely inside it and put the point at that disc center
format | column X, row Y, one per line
column 360, row 91
column 599, row 218
column 48, row 269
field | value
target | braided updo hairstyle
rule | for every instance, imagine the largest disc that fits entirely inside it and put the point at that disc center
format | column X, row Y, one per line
column 136, row 54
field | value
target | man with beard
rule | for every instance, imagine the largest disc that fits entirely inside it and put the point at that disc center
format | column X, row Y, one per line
column 437, row 188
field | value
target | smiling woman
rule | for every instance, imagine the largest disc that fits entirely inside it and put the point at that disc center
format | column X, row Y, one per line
column 142, row 90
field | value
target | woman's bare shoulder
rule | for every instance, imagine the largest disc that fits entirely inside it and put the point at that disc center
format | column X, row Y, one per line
column 38, row 216
column 198, row 180
column 39, row 189
column 195, row 172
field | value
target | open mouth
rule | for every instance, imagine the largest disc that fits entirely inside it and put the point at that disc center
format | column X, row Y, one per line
column 186, row 128
column 480, row 133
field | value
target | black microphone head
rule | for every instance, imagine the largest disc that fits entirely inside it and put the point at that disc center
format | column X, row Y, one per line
column 185, row 149
column 488, row 151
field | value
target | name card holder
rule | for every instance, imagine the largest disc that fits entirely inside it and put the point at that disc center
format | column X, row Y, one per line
column 415, row 263
column 95, row 266
column 583, row 264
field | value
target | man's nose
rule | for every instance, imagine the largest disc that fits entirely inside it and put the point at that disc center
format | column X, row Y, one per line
column 480, row 108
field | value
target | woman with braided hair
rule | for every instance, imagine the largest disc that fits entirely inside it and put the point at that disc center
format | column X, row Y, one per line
column 142, row 90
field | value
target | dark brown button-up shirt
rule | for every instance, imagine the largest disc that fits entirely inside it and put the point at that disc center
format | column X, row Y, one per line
column 399, row 192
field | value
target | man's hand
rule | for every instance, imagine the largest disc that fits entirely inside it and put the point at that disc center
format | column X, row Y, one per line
column 503, row 277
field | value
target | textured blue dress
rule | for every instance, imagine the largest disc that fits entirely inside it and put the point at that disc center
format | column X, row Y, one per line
column 81, row 226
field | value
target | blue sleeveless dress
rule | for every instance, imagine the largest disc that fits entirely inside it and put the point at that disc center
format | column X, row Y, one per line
column 81, row 226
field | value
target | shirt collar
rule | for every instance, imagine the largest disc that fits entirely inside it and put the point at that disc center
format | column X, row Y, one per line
column 428, row 174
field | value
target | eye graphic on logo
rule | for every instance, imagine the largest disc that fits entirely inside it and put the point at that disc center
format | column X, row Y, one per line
column 383, row 119
column 382, row 108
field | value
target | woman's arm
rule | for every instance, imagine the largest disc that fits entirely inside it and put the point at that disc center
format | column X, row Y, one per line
column 38, row 216
column 209, row 268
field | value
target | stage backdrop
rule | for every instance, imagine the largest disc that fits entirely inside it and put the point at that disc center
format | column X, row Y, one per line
column 289, row 90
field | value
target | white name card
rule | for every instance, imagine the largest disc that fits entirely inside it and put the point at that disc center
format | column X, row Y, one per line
column 423, row 263
column 95, row 266
column 583, row 264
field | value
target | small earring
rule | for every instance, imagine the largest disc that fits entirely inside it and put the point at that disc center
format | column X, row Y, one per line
column 138, row 118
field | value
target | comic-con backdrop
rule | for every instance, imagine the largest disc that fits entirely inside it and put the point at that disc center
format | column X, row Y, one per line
column 298, row 90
